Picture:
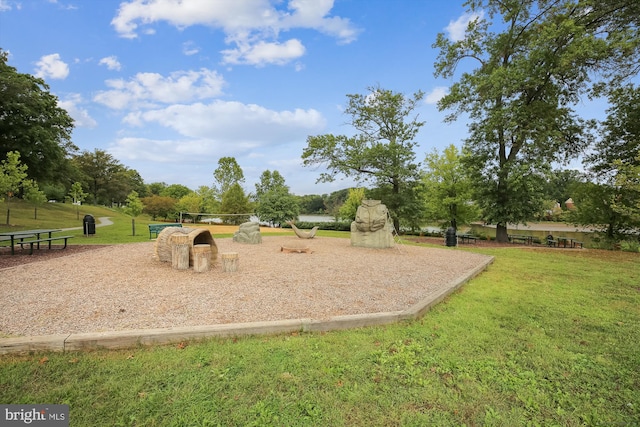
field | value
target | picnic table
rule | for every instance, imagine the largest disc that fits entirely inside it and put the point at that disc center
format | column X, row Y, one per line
column 524, row 238
column 20, row 238
column 467, row 237
column 568, row 241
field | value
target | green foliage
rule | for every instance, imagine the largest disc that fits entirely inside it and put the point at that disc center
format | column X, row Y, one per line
column 513, row 347
column 175, row 191
column 33, row 124
column 105, row 178
column 350, row 207
column 159, row 206
column 520, row 98
column 76, row 194
column 274, row 202
column 134, row 206
column 227, row 174
column 277, row 206
column 234, row 201
column 448, row 190
column 191, row 202
column 311, row 204
column 12, row 174
column 381, row 152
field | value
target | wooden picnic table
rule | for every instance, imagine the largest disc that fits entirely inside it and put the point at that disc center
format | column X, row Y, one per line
column 19, row 236
column 568, row 241
column 524, row 238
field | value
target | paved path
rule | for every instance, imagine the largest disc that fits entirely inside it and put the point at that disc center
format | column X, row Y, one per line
column 103, row 222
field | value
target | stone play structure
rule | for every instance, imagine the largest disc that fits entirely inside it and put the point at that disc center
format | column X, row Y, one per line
column 302, row 233
column 373, row 227
column 249, row 232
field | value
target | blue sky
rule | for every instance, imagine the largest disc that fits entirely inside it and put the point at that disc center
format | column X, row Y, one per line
column 168, row 87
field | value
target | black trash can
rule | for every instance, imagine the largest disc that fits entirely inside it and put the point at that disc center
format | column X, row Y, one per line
column 89, row 225
column 450, row 238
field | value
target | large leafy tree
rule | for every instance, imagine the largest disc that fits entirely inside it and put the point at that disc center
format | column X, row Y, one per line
column 32, row 123
column 520, row 97
column 275, row 204
column 448, row 189
column 105, row 178
column 237, row 203
column 226, row 174
column 615, row 161
column 382, row 151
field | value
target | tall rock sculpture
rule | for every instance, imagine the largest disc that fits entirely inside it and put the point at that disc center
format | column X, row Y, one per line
column 249, row 232
column 373, row 227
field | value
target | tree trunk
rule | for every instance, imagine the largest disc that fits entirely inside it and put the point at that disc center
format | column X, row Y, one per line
column 133, row 226
column 501, row 233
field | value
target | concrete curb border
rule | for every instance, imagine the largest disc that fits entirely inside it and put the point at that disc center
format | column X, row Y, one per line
column 136, row 337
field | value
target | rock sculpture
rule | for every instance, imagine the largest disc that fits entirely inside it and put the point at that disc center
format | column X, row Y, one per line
column 372, row 227
column 249, row 232
column 301, row 233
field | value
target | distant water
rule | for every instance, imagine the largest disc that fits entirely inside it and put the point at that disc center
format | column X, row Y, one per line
column 316, row 218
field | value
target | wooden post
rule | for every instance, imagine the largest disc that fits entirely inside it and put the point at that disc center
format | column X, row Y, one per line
column 180, row 251
column 229, row 261
column 201, row 258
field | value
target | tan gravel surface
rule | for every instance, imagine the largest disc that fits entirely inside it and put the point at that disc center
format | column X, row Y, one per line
column 124, row 287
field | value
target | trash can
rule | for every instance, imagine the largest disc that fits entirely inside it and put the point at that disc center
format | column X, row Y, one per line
column 450, row 238
column 89, row 225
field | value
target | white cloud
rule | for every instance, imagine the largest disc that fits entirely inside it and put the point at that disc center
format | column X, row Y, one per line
column 189, row 48
column 51, row 66
column 80, row 115
column 263, row 53
column 6, row 5
column 111, row 62
column 252, row 26
column 149, row 89
column 233, row 124
column 457, row 28
column 436, row 95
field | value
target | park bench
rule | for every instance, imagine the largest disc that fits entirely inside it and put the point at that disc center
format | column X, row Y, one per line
column 46, row 239
column 551, row 241
column 467, row 237
column 157, row 228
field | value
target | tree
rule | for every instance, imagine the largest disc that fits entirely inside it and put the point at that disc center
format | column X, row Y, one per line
column 520, row 98
column 235, row 202
column 32, row 123
column 159, row 206
column 77, row 195
column 616, row 157
column 177, row 191
column 190, row 203
column 381, row 152
column 311, row 204
column 228, row 173
column 106, row 179
column 33, row 195
column 350, row 207
column 275, row 204
column 269, row 181
column 12, row 174
column 448, row 190
column 209, row 201
column 133, row 208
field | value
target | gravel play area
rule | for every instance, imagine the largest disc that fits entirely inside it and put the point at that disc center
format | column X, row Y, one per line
column 123, row 287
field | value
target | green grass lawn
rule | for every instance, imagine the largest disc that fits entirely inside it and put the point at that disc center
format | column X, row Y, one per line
column 543, row 337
